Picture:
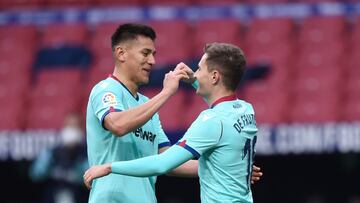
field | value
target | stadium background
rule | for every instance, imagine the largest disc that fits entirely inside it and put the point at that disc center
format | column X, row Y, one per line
column 307, row 106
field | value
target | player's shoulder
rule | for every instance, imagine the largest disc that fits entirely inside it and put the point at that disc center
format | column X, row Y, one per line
column 208, row 116
column 106, row 86
column 101, row 86
column 245, row 104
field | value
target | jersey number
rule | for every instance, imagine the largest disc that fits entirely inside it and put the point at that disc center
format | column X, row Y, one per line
column 249, row 150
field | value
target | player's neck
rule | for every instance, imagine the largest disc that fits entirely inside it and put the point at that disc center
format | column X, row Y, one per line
column 132, row 86
column 217, row 95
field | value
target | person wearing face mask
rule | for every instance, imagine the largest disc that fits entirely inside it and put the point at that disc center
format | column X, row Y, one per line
column 61, row 166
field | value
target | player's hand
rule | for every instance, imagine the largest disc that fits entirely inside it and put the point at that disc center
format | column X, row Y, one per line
column 189, row 72
column 171, row 80
column 256, row 174
column 96, row 172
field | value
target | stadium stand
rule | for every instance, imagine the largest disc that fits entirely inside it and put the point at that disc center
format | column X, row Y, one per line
column 57, row 35
column 171, row 34
column 313, row 66
column 206, row 31
column 52, row 98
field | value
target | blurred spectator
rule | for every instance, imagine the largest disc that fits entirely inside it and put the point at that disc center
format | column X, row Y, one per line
column 62, row 166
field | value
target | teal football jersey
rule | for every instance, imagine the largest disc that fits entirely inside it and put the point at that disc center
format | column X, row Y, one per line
column 103, row 147
column 223, row 138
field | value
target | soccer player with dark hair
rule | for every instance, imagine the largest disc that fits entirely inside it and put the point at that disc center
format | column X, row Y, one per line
column 223, row 137
column 122, row 124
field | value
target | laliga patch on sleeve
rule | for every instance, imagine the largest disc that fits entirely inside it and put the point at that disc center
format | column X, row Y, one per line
column 109, row 99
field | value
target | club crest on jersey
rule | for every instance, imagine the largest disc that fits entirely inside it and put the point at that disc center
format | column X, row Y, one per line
column 109, row 99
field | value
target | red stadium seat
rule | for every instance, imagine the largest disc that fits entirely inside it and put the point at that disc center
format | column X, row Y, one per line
column 353, row 62
column 322, row 57
column 269, row 101
column 207, row 31
column 351, row 110
column 172, row 42
column 352, row 87
column 13, row 69
column 15, row 33
column 194, row 105
column 18, row 40
column 13, row 98
column 265, row 32
column 52, row 98
column 275, row 53
column 315, row 110
column 317, row 31
column 270, row 41
column 45, row 114
column 12, row 114
column 15, row 89
column 100, row 40
column 71, row 75
column 57, row 35
column 20, row 4
column 279, row 56
column 355, row 34
column 354, row 50
column 317, row 81
column 50, row 83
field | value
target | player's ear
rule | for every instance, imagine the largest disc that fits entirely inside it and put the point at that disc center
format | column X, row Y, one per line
column 215, row 77
column 119, row 53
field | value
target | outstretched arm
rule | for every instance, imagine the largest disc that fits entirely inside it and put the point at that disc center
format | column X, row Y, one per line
column 188, row 169
column 144, row 167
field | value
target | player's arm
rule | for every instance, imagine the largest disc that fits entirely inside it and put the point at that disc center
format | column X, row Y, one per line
column 190, row 169
column 120, row 123
column 187, row 169
column 144, row 167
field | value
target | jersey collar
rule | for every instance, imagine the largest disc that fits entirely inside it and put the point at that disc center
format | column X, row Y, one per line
column 223, row 99
column 115, row 78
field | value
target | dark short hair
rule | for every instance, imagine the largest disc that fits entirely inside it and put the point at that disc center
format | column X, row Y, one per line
column 229, row 60
column 131, row 31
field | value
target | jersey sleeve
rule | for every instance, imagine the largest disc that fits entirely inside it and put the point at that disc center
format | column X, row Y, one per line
column 203, row 134
column 152, row 165
column 163, row 140
column 105, row 102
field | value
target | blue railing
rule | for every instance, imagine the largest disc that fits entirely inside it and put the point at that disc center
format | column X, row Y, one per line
column 192, row 13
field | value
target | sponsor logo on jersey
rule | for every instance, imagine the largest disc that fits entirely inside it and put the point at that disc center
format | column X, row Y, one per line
column 145, row 135
column 109, row 99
